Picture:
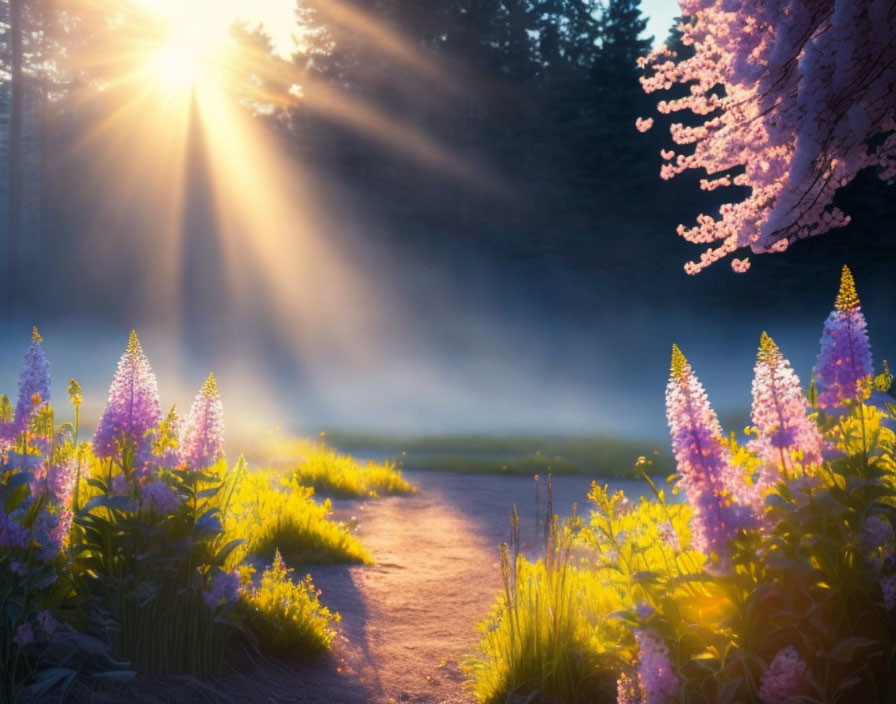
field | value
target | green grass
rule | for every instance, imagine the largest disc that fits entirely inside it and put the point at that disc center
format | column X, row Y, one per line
column 331, row 473
column 286, row 615
column 594, row 455
column 272, row 512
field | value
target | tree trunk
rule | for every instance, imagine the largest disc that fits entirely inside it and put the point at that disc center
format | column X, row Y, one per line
column 16, row 171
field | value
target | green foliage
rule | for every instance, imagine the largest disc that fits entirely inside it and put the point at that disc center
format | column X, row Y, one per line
column 286, row 615
column 147, row 572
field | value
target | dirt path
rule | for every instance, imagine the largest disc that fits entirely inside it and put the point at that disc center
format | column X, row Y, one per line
column 409, row 620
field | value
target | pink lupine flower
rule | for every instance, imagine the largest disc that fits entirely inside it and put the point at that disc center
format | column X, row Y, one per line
column 844, row 365
column 784, row 678
column 656, row 675
column 202, row 443
column 34, row 384
column 60, row 480
column 780, row 415
column 713, row 486
column 132, row 409
column 24, row 635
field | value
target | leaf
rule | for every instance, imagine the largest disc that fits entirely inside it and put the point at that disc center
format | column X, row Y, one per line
column 116, row 503
column 17, row 479
column 48, row 680
column 645, row 577
column 728, row 691
column 208, row 493
column 97, row 484
column 846, row 649
column 226, row 551
column 16, row 497
column 777, row 501
column 209, row 523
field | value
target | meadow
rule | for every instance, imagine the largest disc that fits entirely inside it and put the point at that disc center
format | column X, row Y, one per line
column 517, row 454
column 765, row 571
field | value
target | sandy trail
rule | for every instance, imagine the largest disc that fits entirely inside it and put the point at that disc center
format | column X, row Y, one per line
column 409, row 620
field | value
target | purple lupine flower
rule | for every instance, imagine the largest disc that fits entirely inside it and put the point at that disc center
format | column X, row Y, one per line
column 202, row 443
column 50, row 532
column 19, row 568
column 159, row 497
column 47, row 623
column 24, row 635
column 644, row 610
column 713, row 485
column 656, row 675
column 844, row 366
column 878, row 534
column 780, row 415
column 12, row 535
column 784, row 678
column 224, row 590
column 34, row 384
column 888, row 588
column 119, row 484
column 132, row 409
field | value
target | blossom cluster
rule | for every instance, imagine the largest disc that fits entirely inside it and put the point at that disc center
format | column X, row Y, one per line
column 844, row 365
column 796, row 99
column 785, row 435
column 712, row 483
column 133, row 432
column 784, row 678
column 132, row 409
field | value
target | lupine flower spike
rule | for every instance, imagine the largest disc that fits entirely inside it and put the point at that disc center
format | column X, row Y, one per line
column 844, row 365
column 780, row 416
column 203, row 438
column 132, row 409
column 784, row 678
column 34, row 383
column 657, row 680
column 713, row 486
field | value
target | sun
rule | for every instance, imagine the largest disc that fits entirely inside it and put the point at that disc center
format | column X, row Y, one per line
column 194, row 40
